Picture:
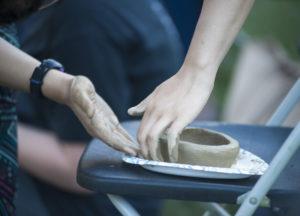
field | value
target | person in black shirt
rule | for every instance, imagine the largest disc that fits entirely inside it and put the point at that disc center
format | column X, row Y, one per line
column 126, row 48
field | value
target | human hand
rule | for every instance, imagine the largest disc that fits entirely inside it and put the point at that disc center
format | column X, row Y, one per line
column 97, row 117
column 173, row 104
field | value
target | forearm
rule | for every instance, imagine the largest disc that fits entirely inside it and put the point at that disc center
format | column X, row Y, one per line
column 42, row 155
column 171, row 107
column 16, row 68
column 218, row 25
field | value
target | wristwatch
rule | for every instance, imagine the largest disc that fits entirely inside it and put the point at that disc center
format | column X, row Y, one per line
column 36, row 80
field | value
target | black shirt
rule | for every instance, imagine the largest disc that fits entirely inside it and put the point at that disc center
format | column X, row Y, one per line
column 125, row 47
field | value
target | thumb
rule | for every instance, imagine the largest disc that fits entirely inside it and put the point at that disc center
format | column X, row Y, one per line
column 139, row 109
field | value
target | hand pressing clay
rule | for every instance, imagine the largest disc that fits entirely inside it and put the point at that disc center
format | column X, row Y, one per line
column 203, row 147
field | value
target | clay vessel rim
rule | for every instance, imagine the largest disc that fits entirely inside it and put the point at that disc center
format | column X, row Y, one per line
column 231, row 141
column 199, row 145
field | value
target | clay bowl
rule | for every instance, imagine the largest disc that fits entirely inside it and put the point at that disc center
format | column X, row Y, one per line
column 203, row 147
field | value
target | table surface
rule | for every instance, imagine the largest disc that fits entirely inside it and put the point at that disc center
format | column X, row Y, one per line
column 101, row 169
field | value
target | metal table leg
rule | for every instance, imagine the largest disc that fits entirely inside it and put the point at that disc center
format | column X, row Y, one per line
column 263, row 185
column 123, row 206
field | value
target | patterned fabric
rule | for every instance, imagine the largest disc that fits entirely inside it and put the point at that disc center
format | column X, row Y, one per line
column 8, row 138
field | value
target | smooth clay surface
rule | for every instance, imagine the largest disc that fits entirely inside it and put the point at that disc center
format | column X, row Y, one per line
column 203, row 147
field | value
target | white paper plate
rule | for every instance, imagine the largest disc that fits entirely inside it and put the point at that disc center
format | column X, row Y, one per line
column 246, row 165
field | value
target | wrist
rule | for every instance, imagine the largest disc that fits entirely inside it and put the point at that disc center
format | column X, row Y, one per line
column 57, row 86
column 199, row 73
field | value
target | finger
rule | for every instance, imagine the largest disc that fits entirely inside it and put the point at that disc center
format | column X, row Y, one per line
column 119, row 144
column 125, row 141
column 135, row 111
column 130, row 151
column 111, row 134
column 108, row 114
column 153, row 138
column 147, row 121
column 102, row 105
column 114, row 120
column 116, row 141
column 139, row 109
column 127, row 135
column 106, row 133
column 114, row 123
column 173, row 138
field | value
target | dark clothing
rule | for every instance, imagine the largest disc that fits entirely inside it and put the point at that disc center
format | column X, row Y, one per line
column 125, row 47
column 8, row 138
column 185, row 15
column 59, row 203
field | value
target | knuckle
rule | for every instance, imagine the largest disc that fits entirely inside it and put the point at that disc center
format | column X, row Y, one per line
column 153, row 106
column 150, row 138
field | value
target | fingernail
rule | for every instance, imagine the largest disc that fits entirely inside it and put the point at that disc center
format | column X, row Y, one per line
column 127, row 135
column 136, row 111
column 131, row 110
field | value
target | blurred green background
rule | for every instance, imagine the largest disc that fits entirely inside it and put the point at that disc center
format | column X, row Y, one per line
column 274, row 19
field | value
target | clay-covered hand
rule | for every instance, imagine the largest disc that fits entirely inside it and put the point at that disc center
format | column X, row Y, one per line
column 97, row 117
column 173, row 104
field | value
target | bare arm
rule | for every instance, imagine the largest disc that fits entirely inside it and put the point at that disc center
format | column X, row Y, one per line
column 16, row 68
column 44, row 156
column 177, row 101
column 217, row 27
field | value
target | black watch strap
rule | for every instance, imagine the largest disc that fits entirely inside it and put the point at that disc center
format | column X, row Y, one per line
column 36, row 80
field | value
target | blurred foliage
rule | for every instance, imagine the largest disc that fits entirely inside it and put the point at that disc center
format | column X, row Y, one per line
column 276, row 19
column 279, row 19
column 223, row 78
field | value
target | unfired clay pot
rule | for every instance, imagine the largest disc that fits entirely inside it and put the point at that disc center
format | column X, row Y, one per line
column 203, row 147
